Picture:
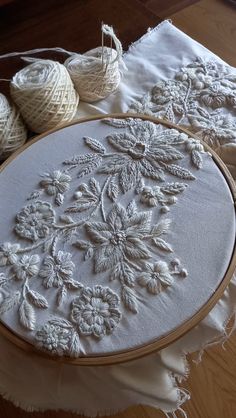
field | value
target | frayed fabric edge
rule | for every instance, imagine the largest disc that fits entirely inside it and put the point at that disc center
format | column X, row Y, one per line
column 221, row 339
column 148, row 33
column 183, row 394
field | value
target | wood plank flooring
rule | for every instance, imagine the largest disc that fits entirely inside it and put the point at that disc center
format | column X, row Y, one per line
column 25, row 25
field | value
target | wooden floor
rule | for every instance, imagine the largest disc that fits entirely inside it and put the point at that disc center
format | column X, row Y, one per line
column 213, row 23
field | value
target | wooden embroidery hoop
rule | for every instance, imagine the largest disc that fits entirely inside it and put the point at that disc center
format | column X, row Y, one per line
column 164, row 341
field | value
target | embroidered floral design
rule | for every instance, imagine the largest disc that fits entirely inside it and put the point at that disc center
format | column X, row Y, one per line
column 215, row 129
column 144, row 152
column 57, row 269
column 56, row 184
column 96, row 311
column 86, row 197
column 119, row 238
column 164, row 196
column 214, row 97
column 156, row 276
column 35, row 220
column 8, row 253
column 192, row 98
column 121, row 242
column 26, row 267
column 58, row 337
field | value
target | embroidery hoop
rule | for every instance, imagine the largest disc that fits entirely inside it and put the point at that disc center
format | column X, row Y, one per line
column 164, row 341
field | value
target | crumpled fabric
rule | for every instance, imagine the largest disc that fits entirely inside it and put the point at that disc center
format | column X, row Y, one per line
column 157, row 379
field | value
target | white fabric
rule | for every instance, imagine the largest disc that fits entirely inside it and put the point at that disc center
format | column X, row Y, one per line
column 149, row 381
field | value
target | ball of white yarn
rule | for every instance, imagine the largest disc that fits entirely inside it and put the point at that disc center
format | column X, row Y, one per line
column 45, row 95
column 13, row 132
column 95, row 74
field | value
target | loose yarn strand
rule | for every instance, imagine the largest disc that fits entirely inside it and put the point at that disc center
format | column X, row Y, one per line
column 35, row 51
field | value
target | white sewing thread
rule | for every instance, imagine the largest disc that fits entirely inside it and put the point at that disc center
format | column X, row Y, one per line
column 45, row 95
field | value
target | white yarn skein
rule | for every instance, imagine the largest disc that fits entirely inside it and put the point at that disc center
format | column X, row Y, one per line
column 45, row 94
column 96, row 73
column 13, row 132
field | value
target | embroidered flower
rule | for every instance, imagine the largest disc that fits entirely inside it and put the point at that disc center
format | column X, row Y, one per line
column 56, row 182
column 26, row 267
column 194, row 145
column 215, row 129
column 8, row 253
column 57, row 270
column 170, row 91
column 35, row 220
column 145, row 151
column 156, row 276
column 96, row 311
column 153, row 196
column 58, row 337
column 119, row 238
column 214, row 97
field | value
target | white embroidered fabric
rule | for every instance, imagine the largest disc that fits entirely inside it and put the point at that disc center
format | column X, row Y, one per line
column 203, row 91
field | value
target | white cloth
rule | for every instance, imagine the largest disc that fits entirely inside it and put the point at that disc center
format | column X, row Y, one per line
column 153, row 380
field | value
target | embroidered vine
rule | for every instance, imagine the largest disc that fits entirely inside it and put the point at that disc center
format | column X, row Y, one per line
column 124, row 243
column 196, row 98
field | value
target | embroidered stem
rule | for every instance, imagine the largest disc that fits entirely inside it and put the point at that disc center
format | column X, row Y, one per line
column 102, row 198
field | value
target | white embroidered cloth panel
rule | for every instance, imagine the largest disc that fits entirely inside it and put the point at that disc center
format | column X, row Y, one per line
column 173, row 82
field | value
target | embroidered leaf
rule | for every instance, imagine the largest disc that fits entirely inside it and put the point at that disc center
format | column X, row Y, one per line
column 82, row 245
column 73, row 285
column 27, row 315
column 34, row 195
column 74, row 346
column 95, row 186
column 131, row 209
column 149, row 171
column 3, row 279
column 9, row 302
column 79, row 159
column 128, row 177
column 87, row 169
column 61, row 323
column 80, row 207
column 196, row 158
column 119, row 123
column 124, row 274
column 68, row 234
column 113, row 164
column 129, row 299
column 59, row 199
column 37, row 300
column 66, row 219
column 178, row 171
column 61, row 295
column 112, row 190
column 166, row 154
column 48, row 244
column 161, row 228
column 203, row 112
column 162, row 245
column 88, row 254
column 139, row 185
column 95, row 145
column 173, row 188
